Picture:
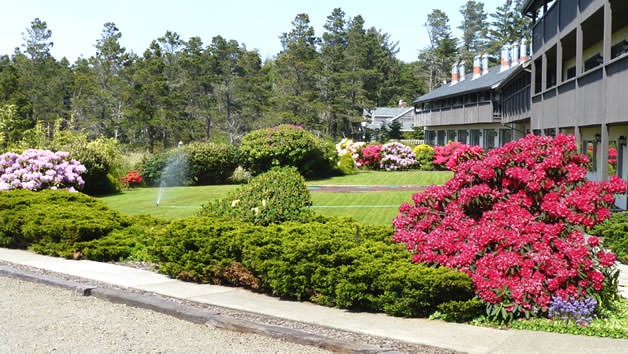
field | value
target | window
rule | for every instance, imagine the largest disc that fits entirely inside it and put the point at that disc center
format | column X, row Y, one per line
column 451, row 135
column 462, row 136
column 476, row 135
column 440, row 138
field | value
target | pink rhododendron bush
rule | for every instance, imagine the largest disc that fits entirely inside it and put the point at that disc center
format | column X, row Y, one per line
column 514, row 220
column 40, row 169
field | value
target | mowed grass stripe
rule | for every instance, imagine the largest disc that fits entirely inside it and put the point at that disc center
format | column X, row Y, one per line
column 373, row 207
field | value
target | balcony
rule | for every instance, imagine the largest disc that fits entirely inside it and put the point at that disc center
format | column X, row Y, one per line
column 464, row 114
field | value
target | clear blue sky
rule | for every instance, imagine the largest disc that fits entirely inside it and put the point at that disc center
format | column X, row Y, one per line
column 77, row 24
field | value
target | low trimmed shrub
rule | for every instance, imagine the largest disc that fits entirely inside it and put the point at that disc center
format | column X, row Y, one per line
column 334, row 262
column 273, row 197
column 614, row 231
column 53, row 221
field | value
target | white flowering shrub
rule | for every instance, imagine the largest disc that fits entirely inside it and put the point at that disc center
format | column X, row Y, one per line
column 396, row 156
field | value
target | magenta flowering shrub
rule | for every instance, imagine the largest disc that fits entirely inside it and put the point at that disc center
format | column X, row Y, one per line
column 442, row 154
column 512, row 219
column 370, row 156
column 396, row 156
column 40, row 169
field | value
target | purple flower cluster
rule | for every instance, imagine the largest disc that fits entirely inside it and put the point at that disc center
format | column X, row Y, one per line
column 396, row 156
column 581, row 312
column 39, row 169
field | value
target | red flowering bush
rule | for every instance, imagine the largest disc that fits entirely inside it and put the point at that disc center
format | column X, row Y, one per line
column 132, row 179
column 442, row 154
column 370, row 156
column 513, row 219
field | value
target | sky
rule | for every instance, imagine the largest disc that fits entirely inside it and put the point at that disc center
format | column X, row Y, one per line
column 76, row 25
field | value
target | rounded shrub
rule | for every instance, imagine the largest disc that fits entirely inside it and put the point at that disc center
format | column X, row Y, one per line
column 273, row 197
column 287, row 145
column 424, row 155
column 102, row 159
column 210, row 163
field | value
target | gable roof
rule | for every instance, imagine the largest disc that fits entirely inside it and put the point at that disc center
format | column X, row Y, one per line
column 484, row 82
column 390, row 112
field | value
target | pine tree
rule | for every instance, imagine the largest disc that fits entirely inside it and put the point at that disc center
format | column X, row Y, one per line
column 442, row 52
column 474, row 29
column 508, row 26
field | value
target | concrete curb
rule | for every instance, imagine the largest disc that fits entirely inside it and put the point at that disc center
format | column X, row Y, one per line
column 194, row 314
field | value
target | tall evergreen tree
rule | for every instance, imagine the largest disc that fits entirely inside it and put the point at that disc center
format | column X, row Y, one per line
column 508, row 26
column 333, row 59
column 43, row 80
column 295, row 75
column 442, row 51
column 198, row 81
column 474, row 29
column 99, row 96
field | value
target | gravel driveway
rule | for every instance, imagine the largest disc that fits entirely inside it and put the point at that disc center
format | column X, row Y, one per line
column 37, row 318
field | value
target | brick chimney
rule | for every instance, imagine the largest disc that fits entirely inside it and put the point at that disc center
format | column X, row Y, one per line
column 523, row 49
column 461, row 70
column 484, row 64
column 454, row 73
column 477, row 69
column 515, row 54
column 505, row 58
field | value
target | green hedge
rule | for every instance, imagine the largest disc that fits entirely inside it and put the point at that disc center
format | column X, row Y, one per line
column 193, row 164
column 615, row 234
column 335, row 262
column 54, row 220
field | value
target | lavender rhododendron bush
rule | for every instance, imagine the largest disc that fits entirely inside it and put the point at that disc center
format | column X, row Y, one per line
column 40, row 169
column 513, row 219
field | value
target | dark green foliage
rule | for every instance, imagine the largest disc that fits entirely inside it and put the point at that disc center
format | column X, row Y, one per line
column 193, row 164
column 287, row 145
column 211, row 163
column 462, row 311
column 151, row 168
column 334, row 262
column 53, row 220
column 102, row 158
column 273, row 197
column 615, row 234
column 130, row 243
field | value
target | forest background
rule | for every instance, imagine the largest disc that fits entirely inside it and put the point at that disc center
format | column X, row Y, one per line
column 186, row 90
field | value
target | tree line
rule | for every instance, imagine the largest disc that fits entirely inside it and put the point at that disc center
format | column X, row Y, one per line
column 187, row 90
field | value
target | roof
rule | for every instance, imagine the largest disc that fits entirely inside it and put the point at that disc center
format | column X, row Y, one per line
column 530, row 6
column 390, row 112
column 484, row 82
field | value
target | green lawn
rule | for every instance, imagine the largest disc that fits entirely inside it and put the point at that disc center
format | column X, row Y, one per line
column 367, row 207
column 383, row 178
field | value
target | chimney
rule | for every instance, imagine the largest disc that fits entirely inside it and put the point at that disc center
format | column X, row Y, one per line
column 403, row 104
column 454, row 73
column 523, row 51
column 515, row 54
column 477, row 70
column 505, row 59
column 461, row 70
column 484, row 64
